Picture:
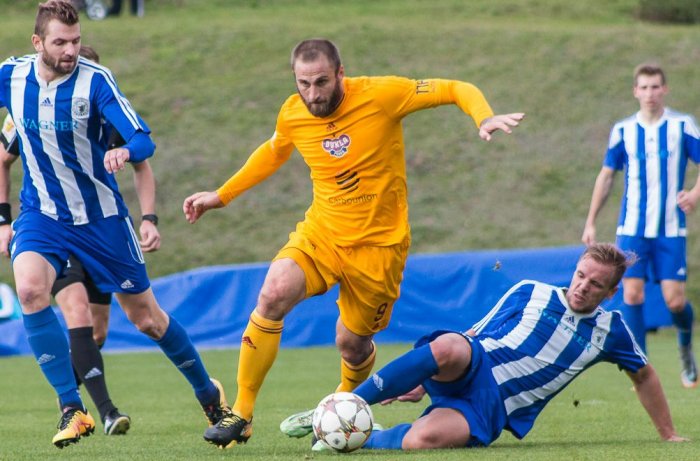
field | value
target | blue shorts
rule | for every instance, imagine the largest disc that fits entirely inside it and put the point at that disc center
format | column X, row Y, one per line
column 660, row 258
column 76, row 273
column 475, row 395
column 108, row 249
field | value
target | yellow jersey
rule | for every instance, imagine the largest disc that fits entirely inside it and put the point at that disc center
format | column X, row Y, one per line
column 355, row 155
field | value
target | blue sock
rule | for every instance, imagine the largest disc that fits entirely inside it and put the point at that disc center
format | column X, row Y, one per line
column 389, row 439
column 634, row 318
column 178, row 347
column 50, row 347
column 399, row 376
column 683, row 320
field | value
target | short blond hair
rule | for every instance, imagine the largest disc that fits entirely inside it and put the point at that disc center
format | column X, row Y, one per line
column 609, row 254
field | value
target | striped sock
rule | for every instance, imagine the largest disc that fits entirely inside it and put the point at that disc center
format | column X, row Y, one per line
column 352, row 376
column 259, row 347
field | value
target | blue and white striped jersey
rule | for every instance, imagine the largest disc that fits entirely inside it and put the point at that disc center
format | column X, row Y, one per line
column 62, row 144
column 655, row 157
column 537, row 345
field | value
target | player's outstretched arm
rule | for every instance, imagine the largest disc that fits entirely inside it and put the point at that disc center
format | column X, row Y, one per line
column 601, row 191
column 652, row 397
column 499, row 122
column 197, row 204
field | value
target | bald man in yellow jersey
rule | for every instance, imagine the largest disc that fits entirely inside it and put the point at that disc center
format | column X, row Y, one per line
column 356, row 232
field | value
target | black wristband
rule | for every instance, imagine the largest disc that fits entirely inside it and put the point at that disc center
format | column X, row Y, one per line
column 150, row 217
column 5, row 214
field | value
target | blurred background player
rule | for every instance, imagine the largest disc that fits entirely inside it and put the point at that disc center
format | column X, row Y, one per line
column 501, row 373
column 71, row 205
column 356, row 232
column 137, row 8
column 86, row 309
column 653, row 146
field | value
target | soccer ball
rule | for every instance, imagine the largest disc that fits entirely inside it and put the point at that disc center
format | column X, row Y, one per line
column 343, row 421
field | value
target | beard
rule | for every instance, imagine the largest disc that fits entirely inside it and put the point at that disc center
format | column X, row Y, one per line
column 59, row 66
column 324, row 108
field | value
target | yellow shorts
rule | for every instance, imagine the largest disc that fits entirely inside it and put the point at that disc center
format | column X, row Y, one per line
column 369, row 276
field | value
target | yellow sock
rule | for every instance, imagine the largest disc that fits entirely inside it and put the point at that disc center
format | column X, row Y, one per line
column 259, row 346
column 352, row 376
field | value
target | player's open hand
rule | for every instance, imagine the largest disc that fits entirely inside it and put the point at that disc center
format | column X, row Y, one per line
column 499, row 122
column 687, row 200
column 115, row 159
column 5, row 237
column 197, row 204
column 150, row 237
column 412, row 396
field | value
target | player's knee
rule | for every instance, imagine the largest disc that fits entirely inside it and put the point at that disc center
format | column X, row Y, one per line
column 451, row 351
column 99, row 331
column 276, row 300
column 149, row 327
column 148, row 322
column 421, row 440
column 99, row 337
column 633, row 297
column 33, row 297
column 676, row 303
column 353, row 351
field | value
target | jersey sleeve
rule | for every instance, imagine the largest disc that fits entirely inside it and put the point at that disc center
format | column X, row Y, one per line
column 615, row 155
column 261, row 164
column 5, row 73
column 8, row 136
column 510, row 305
column 401, row 96
column 691, row 139
column 116, row 109
column 621, row 348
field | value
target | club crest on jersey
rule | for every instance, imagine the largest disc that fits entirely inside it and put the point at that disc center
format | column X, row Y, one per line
column 80, row 108
column 337, row 147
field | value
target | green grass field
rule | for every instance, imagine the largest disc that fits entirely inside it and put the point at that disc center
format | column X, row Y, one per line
column 608, row 422
column 209, row 77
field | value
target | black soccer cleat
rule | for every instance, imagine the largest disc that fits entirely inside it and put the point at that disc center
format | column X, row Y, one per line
column 231, row 430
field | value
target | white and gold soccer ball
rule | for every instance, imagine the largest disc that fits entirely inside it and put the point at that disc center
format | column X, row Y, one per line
column 343, row 421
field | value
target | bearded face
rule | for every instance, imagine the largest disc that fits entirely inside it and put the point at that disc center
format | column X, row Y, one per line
column 320, row 86
column 58, row 48
column 59, row 64
column 323, row 106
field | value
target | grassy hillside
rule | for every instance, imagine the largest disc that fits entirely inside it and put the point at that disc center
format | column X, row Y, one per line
column 209, row 77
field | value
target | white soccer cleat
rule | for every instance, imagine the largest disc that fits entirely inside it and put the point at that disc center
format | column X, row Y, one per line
column 298, row 425
column 689, row 370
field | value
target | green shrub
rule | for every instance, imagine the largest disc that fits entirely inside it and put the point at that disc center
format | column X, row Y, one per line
column 674, row 11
